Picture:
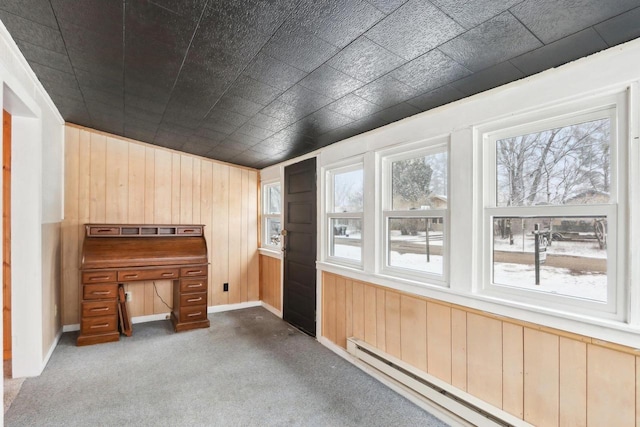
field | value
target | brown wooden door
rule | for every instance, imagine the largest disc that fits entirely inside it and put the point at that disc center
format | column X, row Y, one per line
column 299, row 289
column 6, row 229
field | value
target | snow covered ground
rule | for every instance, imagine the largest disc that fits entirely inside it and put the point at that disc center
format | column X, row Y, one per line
column 553, row 280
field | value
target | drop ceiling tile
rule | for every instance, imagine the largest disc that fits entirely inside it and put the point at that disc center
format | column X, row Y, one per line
column 32, row 32
column 139, row 134
column 219, row 126
column 354, row 107
column 264, row 16
column 90, row 94
column 228, row 31
column 395, row 113
column 560, row 52
column 435, row 98
column 169, row 140
column 42, row 56
column 337, row 22
column 551, row 20
column 319, row 122
column 34, row 10
column 285, row 112
column 238, row 142
column 304, row 100
column 365, row 60
column 621, row 28
column 247, row 88
column 142, row 55
column 265, row 150
column 489, row 78
column 470, row 13
column 191, row 9
column 413, row 29
column 497, row 40
column 239, row 105
column 430, row 71
column 56, row 77
column 105, row 66
column 287, row 138
column 141, row 103
column 136, row 114
column 90, row 80
column 270, row 123
column 223, row 153
column 208, row 134
column 138, row 87
column 297, row 47
column 386, row 6
column 144, row 19
column 99, row 16
column 182, row 131
column 182, row 117
column 220, row 114
column 330, row 82
column 255, row 131
column 273, row 72
column 386, row 91
column 197, row 149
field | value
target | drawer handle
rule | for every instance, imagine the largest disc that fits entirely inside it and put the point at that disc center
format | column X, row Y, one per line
column 197, row 285
column 99, row 278
column 130, row 276
column 168, row 274
column 101, row 292
column 105, row 230
column 100, row 309
column 102, row 325
column 193, row 272
column 189, row 230
column 194, row 314
column 194, row 299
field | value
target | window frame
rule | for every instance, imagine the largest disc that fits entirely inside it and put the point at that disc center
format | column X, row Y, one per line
column 386, row 212
column 613, row 107
column 330, row 172
column 266, row 216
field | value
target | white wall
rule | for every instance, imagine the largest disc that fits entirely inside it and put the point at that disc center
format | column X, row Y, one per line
column 37, row 151
column 616, row 70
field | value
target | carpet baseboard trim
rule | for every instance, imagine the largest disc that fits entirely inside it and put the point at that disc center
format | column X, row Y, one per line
column 53, row 346
column 162, row 316
column 431, row 407
column 272, row 309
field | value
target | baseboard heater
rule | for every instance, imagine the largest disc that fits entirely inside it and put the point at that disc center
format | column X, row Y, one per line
column 463, row 405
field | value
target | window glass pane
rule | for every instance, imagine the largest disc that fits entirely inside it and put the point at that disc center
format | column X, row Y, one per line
column 419, row 183
column 346, row 238
column 273, row 231
column 273, row 199
column 562, row 166
column 416, row 244
column 572, row 254
column 348, row 191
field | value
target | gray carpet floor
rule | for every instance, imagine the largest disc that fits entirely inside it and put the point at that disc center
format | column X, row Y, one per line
column 248, row 369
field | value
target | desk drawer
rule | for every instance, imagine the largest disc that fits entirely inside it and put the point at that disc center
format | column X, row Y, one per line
column 193, row 314
column 98, row 276
column 193, row 299
column 106, row 291
column 193, row 285
column 198, row 270
column 156, row 274
column 99, row 325
column 99, row 308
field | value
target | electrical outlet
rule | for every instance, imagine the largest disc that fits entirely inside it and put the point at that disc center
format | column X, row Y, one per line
column 127, row 296
column 225, row 287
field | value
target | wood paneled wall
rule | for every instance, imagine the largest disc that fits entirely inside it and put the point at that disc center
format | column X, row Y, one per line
column 270, row 281
column 113, row 179
column 544, row 376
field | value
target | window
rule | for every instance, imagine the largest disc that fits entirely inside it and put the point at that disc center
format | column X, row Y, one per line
column 415, row 214
column 551, row 213
column 345, row 207
column 271, row 223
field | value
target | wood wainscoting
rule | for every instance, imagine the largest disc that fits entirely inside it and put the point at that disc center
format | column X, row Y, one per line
column 271, row 281
column 546, row 377
column 118, row 180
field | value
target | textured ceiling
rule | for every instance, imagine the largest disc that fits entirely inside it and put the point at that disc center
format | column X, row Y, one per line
column 256, row 82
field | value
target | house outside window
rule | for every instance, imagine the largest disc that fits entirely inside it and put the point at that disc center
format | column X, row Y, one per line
column 271, row 218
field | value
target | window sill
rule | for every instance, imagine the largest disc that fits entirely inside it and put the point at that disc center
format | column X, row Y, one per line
column 273, row 253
